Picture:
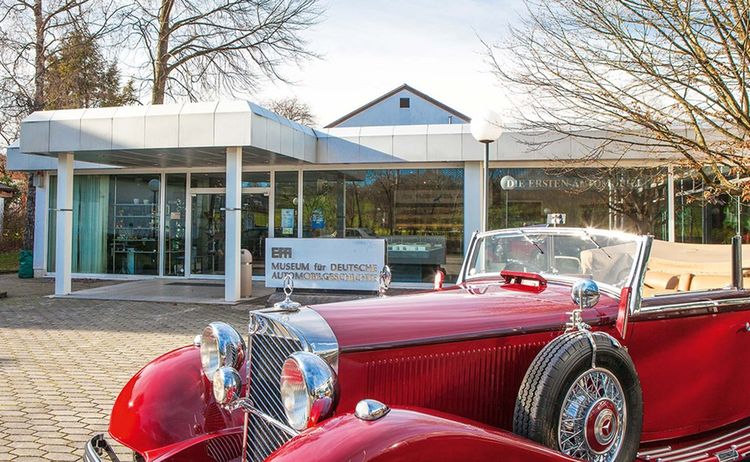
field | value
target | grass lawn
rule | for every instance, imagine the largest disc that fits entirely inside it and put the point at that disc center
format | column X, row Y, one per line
column 8, row 261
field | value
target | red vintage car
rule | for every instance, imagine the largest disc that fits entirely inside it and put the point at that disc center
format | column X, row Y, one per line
column 555, row 344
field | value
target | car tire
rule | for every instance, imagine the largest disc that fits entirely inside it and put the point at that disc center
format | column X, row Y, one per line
column 584, row 412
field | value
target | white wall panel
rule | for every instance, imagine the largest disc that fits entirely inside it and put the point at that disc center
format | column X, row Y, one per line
column 196, row 126
column 232, row 124
column 128, row 127
column 96, row 129
column 65, row 130
column 162, row 126
column 35, row 132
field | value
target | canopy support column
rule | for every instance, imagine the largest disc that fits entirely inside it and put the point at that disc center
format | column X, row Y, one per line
column 64, row 227
column 233, row 224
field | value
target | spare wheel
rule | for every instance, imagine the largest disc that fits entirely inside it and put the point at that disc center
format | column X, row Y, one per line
column 589, row 413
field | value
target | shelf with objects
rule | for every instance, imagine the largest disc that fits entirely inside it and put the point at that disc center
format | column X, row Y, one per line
column 135, row 240
column 174, row 237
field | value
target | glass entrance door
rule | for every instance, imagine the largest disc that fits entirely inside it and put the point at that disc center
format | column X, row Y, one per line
column 255, row 228
column 207, row 234
column 208, row 231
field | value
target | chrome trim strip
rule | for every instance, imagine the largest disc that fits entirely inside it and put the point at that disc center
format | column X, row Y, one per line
column 247, row 406
column 716, row 304
column 652, row 452
column 701, row 449
column 639, row 274
column 310, row 328
column 469, row 251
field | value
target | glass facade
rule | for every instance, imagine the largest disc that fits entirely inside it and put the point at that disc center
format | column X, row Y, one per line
column 629, row 199
column 255, row 228
column 174, row 225
column 285, row 198
column 115, row 224
column 419, row 212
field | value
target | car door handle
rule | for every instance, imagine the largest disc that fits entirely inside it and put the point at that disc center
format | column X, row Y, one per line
column 747, row 327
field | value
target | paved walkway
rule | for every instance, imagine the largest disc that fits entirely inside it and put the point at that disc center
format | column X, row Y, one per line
column 62, row 362
column 203, row 292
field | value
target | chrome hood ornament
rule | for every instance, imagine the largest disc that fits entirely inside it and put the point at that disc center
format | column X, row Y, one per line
column 288, row 304
column 385, row 280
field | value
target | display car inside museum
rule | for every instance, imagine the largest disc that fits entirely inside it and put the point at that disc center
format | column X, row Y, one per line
column 554, row 344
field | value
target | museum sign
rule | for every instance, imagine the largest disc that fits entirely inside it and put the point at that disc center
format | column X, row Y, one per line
column 341, row 264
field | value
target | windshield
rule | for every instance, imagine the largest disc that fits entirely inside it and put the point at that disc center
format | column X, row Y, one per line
column 607, row 258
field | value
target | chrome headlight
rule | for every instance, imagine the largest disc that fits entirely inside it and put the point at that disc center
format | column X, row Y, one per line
column 227, row 385
column 308, row 389
column 221, row 346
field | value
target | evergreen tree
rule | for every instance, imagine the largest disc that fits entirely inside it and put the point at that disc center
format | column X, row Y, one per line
column 79, row 76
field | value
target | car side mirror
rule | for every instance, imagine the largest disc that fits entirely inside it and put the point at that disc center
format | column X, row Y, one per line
column 585, row 293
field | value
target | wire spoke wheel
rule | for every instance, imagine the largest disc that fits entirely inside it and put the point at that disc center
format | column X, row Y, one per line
column 593, row 417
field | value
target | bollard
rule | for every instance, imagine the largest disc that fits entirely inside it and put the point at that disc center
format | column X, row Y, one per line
column 246, row 273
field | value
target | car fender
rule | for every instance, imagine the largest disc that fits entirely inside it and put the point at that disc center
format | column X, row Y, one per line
column 168, row 402
column 410, row 435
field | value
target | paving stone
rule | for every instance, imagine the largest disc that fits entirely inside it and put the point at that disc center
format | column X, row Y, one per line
column 62, row 457
column 85, row 352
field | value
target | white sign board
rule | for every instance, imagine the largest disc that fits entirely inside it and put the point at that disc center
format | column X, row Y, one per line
column 556, row 218
column 341, row 264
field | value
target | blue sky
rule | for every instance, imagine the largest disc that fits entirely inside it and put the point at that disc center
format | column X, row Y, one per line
column 371, row 47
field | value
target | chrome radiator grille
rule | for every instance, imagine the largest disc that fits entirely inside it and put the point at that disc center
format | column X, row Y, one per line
column 269, row 348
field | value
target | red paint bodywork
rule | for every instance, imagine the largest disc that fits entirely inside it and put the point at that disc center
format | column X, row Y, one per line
column 410, row 435
column 460, row 351
column 477, row 310
column 167, row 410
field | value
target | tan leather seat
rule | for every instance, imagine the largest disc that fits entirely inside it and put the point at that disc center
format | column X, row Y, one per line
column 661, row 280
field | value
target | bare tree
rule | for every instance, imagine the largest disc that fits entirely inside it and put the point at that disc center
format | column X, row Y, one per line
column 199, row 48
column 663, row 76
column 293, row 109
column 31, row 33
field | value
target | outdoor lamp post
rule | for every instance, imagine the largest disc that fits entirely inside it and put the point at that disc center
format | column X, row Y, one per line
column 486, row 128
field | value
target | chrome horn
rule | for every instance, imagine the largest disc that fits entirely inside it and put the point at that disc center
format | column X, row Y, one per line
column 585, row 293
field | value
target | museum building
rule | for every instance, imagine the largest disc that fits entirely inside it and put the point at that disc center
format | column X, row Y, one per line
column 177, row 190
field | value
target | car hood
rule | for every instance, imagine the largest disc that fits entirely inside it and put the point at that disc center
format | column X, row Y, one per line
column 456, row 313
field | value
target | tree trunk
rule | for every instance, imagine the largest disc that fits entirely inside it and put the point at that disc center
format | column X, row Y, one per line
column 161, row 66
column 37, row 105
column 28, row 234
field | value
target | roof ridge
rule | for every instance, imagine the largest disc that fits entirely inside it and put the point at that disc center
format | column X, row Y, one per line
column 387, row 95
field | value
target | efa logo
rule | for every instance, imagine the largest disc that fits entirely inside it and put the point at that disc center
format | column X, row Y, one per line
column 281, row 252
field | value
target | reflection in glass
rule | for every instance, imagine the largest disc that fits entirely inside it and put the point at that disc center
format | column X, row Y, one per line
column 255, row 229
column 418, row 211
column 604, row 257
column 256, row 180
column 208, row 180
column 174, row 225
column 285, row 203
column 134, row 227
column 115, row 224
column 207, row 234
column 629, row 199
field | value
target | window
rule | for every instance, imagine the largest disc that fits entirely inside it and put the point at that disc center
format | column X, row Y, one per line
column 419, row 212
column 115, row 224
column 403, row 103
column 628, row 199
